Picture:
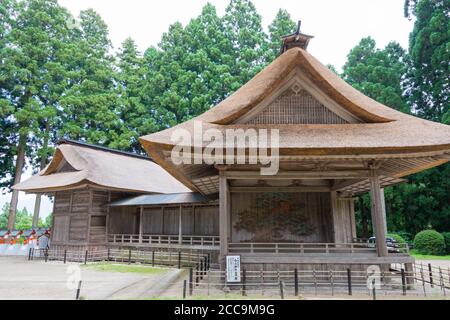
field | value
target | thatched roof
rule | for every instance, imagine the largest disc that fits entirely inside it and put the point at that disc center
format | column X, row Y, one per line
column 76, row 165
column 381, row 129
column 374, row 130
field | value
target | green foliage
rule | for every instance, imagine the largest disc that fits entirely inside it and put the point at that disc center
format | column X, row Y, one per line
column 281, row 26
column 243, row 27
column 109, row 267
column 378, row 73
column 61, row 80
column 34, row 33
column 419, row 80
column 446, row 236
column 397, row 238
column 333, row 68
column 419, row 256
column 24, row 219
column 47, row 223
column 429, row 81
column 90, row 104
column 429, row 242
column 190, row 72
column 132, row 107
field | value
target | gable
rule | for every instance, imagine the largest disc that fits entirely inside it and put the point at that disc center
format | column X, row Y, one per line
column 298, row 101
column 65, row 167
column 296, row 106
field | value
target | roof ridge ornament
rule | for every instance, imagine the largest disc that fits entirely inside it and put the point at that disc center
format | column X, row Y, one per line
column 297, row 39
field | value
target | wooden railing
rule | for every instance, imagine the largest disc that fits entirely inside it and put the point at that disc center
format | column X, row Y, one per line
column 308, row 248
column 250, row 247
column 164, row 240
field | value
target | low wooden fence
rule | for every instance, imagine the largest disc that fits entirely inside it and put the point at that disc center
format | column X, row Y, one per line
column 177, row 259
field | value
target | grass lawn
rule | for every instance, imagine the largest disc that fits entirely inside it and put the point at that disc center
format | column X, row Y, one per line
column 111, row 267
column 428, row 257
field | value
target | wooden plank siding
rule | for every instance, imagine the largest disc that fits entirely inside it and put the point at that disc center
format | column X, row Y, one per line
column 80, row 217
column 343, row 219
column 196, row 220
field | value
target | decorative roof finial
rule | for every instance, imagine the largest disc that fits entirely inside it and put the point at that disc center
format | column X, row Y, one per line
column 296, row 39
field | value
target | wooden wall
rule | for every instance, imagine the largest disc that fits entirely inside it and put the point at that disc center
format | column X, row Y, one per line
column 281, row 217
column 196, row 220
column 80, row 217
column 123, row 220
column 343, row 219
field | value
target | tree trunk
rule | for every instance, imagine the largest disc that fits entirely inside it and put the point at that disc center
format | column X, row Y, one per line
column 20, row 162
column 37, row 202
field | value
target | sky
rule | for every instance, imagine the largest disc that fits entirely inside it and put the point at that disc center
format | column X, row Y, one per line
column 337, row 26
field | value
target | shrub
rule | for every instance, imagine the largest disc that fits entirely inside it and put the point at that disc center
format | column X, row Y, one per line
column 446, row 236
column 429, row 242
column 405, row 235
column 397, row 238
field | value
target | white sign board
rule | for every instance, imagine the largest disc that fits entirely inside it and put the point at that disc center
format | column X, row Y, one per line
column 233, row 269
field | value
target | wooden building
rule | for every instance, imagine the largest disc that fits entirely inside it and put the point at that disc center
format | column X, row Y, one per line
column 84, row 179
column 334, row 143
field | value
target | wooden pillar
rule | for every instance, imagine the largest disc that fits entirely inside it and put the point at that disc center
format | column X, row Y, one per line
column 223, row 215
column 180, row 226
column 337, row 225
column 108, row 213
column 352, row 219
column 383, row 202
column 162, row 221
column 377, row 213
column 141, row 225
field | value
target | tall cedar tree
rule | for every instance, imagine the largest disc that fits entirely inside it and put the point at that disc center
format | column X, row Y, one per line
column 7, row 134
column 243, row 26
column 378, row 73
column 28, row 60
column 190, row 71
column 130, row 88
column 424, row 201
column 281, row 26
column 429, row 48
column 91, row 104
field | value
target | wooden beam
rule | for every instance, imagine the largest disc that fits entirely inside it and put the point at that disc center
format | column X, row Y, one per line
column 252, row 189
column 377, row 213
column 180, row 226
column 344, row 184
column 223, row 214
column 162, row 220
column 141, row 225
column 289, row 175
column 383, row 206
column 108, row 212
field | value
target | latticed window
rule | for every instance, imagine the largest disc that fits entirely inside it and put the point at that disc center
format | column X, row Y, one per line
column 296, row 106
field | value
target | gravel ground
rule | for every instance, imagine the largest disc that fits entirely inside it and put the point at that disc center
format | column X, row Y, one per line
column 444, row 264
column 37, row 280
